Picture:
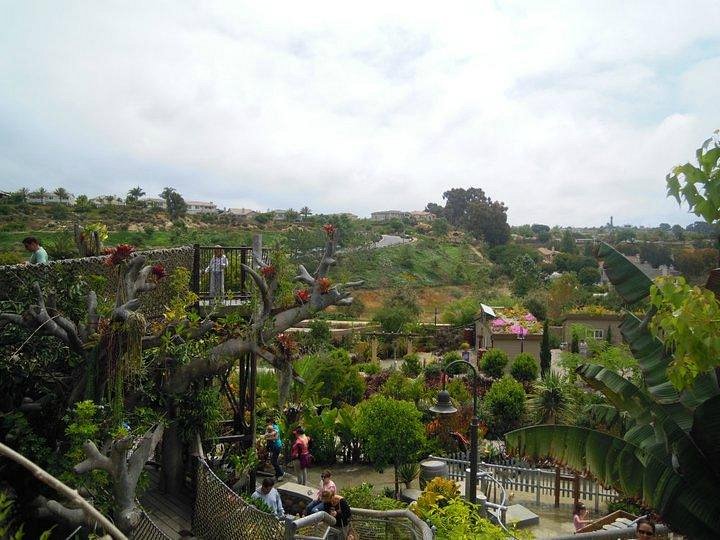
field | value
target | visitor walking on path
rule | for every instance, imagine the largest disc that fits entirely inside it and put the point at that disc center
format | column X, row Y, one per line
column 216, row 268
column 326, row 484
column 300, row 453
column 39, row 255
column 273, row 443
column 270, row 496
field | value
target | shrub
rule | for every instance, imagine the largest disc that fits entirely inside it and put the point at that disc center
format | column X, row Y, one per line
column 433, row 369
column 452, row 356
column 363, row 496
column 338, row 379
column 524, row 368
column 411, row 365
column 458, row 390
column 505, row 402
column 493, row 362
column 369, row 368
column 461, row 312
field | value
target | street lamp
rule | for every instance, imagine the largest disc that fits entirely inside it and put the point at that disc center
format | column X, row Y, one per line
column 445, row 406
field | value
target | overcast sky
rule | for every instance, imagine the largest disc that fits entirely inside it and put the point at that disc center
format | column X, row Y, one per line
column 569, row 112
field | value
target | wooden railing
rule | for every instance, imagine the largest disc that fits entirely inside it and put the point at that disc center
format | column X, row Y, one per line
column 523, row 478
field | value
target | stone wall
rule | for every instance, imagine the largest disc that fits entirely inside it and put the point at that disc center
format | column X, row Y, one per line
column 15, row 280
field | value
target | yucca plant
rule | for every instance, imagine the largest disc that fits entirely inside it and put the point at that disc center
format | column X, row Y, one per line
column 408, row 472
column 669, row 459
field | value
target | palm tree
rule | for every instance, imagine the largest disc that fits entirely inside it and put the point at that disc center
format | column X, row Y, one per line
column 305, row 212
column 552, row 401
column 62, row 194
column 22, row 194
column 40, row 193
column 134, row 194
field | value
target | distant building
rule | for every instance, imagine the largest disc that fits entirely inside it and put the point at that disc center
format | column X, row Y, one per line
column 548, row 255
column 200, row 207
column 422, row 215
column 279, row 215
column 4, row 194
column 387, row 215
column 51, row 198
column 242, row 213
column 597, row 324
column 154, row 202
column 107, row 200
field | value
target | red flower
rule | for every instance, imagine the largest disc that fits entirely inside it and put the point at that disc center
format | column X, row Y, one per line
column 118, row 254
column 324, row 284
column 329, row 229
column 302, row 295
column 268, row 271
column 158, row 271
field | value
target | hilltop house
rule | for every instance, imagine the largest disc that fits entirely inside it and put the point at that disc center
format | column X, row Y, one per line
column 422, row 215
column 51, row 198
column 154, row 202
column 107, row 200
column 387, row 215
column 242, row 213
column 200, row 207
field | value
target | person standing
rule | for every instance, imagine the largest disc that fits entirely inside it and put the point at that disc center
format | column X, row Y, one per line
column 39, row 255
column 300, row 453
column 268, row 494
column 273, row 443
column 326, row 484
column 216, row 268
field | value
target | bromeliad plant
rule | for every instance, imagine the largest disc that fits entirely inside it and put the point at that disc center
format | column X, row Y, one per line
column 669, row 459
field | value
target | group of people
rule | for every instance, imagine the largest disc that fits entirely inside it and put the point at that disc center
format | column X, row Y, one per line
column 299, row 452
column 644, row 527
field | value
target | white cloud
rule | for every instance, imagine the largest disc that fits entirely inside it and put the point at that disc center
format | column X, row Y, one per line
column 569, row 112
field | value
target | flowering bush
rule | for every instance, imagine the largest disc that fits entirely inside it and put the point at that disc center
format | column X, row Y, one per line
column 303, row 295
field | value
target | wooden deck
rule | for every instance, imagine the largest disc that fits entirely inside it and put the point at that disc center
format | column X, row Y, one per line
column 170, row 512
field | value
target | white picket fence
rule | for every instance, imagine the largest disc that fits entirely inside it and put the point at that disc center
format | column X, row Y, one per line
column 520, row 477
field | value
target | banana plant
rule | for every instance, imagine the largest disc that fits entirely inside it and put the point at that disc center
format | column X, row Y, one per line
column 670, row 456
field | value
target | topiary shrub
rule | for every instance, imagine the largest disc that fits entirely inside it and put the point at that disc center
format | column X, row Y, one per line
column 505, row 403
column 524, row 368
column 493, row 362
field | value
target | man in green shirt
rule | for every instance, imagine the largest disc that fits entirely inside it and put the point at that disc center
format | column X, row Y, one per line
column 39, row 255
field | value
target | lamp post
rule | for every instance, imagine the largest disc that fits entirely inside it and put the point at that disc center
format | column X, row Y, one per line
column 445, row 406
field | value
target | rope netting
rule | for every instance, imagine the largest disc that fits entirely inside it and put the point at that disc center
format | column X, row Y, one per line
column 386, row 528
column 220, row 513
column 147, row 530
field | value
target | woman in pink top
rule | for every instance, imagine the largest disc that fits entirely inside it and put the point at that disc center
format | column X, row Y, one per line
column 300, row 453
column 326, row 484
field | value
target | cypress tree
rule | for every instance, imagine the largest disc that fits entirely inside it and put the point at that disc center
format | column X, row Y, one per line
column 545, row 354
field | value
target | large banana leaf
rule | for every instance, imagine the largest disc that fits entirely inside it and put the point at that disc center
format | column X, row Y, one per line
column 706, row 430
column 627, row 468
column 629, row 281
column 654, row 360
column 666, row 434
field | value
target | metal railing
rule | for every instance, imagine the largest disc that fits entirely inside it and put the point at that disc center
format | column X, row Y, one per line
column 526, row 479
column 234, row 286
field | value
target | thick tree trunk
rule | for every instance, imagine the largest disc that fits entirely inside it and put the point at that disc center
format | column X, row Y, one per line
column 173, row 472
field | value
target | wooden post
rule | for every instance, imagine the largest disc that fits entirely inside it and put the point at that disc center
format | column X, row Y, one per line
column 537, row 486
column 576, row 489
column 557, row 487
column 597, row 497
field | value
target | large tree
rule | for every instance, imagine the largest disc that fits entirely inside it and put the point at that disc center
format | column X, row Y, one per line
column 62, row 194
column 112, row 345
column 134, row 195
column 174, row 202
